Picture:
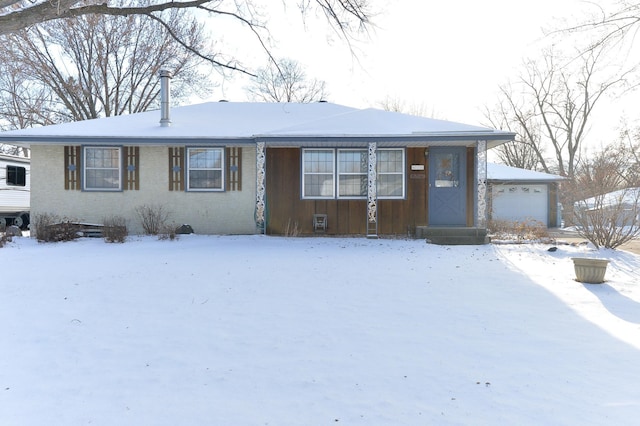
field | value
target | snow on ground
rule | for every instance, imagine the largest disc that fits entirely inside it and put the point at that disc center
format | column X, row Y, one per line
column 255, row 330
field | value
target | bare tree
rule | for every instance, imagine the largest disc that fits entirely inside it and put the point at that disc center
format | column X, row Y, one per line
column 630, row 147
column 609, row 27
column 602, row 172
column 552, row 105
column 551, row 108
column 93, row 66
column 346, row 17
column 607, row 212
column 286, row 81
column 395, row 104
column 526, row 150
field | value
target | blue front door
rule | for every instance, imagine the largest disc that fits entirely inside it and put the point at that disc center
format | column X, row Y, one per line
column 447, row 186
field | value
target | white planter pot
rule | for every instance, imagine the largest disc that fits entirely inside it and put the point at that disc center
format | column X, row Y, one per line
column 590, row 270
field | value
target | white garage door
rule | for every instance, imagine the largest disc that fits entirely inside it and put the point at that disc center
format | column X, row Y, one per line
column 520, row 202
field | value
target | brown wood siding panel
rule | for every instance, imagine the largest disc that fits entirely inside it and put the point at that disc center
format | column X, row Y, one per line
column 416, row 213
column 131, row 168
column 344, row 217
column 471, row 188
column 72, row 167
column 282, row 189
column 176, row 169
column 233, row 169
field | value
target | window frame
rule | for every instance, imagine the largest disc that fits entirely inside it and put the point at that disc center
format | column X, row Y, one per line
column 188, row 168
column 19, row 174
column 85, row 169
column 402, row 173
column 365, row 174
column 304, row 174
column 336, row 174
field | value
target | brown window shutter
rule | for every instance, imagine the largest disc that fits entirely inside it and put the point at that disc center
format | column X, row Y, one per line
column 131, row 168
column 176, row 169
column 234, row 169
column 72, row 167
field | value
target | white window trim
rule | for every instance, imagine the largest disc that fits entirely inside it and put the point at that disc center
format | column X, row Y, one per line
column 403, row 173
column 85, row 168
column 222, row 169
column 336, row 175
column 304, row 174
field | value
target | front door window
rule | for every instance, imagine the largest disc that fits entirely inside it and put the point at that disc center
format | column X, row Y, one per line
column 447, row 170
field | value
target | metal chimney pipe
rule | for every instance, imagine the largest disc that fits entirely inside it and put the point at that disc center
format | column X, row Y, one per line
column 165, row 98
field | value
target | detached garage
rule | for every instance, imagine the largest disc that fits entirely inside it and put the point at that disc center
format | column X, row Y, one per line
column 517, row 195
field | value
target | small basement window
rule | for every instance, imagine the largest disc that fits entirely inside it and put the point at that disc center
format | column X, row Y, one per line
column 16, row 176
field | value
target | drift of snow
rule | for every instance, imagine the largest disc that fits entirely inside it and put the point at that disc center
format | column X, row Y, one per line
column 255, row 330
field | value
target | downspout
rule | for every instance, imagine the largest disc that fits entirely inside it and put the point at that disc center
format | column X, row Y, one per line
column 165, row 98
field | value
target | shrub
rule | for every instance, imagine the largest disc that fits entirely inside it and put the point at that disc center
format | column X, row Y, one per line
column 609, row 220
column 115, row 229
column 50, row 228
column 525, row 230
column 291, row 230
column 168, row 233
column 4, row 239
column 153, row 218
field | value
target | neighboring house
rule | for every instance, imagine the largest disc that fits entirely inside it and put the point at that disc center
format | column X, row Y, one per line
column 15, row 180
column 277, row 168
column 518, row 195
column 621, row 206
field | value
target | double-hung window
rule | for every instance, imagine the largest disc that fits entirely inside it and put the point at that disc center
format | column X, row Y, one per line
column 16, row 176
column 390, row 172
column 343, row 173
column 102, row 168
column 353, row 168
column 318, row 167
column 205, row 169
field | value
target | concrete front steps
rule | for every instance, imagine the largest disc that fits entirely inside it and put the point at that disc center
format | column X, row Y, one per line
column 445, row 235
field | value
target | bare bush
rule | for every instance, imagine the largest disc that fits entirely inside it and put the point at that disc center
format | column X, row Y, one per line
column 115, row 229
column 292, row 229
column 609, row 220
column 168, row 232
column 153, row 218
column 51, row 228
column 525, row 230
column 4, row 239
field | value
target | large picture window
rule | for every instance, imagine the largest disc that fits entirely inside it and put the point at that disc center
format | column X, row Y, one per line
column 205, row 169
column 102, row 169
column 343, row 173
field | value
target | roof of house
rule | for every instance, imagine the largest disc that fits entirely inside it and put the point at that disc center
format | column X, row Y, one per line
column 251, row 121
column 501, row 172
column 627, row 196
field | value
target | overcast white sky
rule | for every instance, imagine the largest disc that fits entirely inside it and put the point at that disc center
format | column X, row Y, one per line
column 448, row 56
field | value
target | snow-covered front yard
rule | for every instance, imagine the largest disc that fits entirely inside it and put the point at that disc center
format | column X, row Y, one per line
column 255, row 330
